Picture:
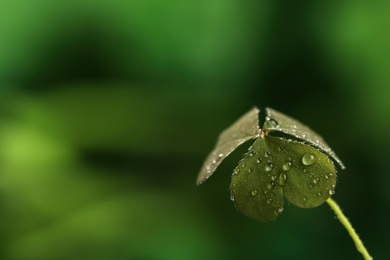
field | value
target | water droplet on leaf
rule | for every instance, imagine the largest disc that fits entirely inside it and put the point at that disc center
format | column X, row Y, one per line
column 271, row 122
column 269, row 167
column 270, row 185
column 287, row 166
column 308, row 159
column 282, row 179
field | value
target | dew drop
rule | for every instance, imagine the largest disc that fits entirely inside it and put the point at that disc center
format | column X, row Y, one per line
column 269, row 200
column 282, row 179
column 254, row 193
column 259, row 160
column 250, row 170
column 267, row 154
column 308, row 159
column 251, row 153
column 271, row 122
column 305, row 198
column 279, row 210
column 305, row 170
column 316, row 180
column 270, row 185
column 273, row 177
column 331, row 192
column 218, row 158
column 265, row 192
column 333, row 186
column 269, row 167
column 231, row 197
column 280, row 148
column 319, row 193
column 287, row 166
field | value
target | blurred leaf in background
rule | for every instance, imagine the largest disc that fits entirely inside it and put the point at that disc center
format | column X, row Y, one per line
column 107, row 109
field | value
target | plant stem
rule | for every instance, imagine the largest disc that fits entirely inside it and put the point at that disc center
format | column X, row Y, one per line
column 345, row 222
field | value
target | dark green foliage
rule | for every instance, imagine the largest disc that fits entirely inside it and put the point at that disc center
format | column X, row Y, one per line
column 274, row 166
column 276, row 121
column 244, row 129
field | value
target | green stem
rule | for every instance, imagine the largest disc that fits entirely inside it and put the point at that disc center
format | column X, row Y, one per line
column 345, row 222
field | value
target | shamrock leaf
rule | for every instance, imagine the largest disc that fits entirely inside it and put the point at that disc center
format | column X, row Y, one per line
column 244, row 129
column 275, row 167
column 276, row 121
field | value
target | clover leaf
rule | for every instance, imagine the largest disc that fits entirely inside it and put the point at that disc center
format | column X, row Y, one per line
column 275, row 167
column 299, row 169
column 244, row 129
column 276, row 121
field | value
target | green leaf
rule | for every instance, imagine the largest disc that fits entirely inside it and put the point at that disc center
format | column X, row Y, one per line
column 254, row 190
column 244, row 129
column 276, row 121
column 274, row 167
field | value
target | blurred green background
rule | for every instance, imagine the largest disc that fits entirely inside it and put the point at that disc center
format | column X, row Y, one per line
column 108, row 108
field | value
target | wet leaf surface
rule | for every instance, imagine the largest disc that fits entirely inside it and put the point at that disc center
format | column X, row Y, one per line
column 274, row 167
column 244, row 129
column 277, row 121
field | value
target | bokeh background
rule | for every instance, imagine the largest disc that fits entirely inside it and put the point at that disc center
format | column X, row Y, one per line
column 108, row 108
